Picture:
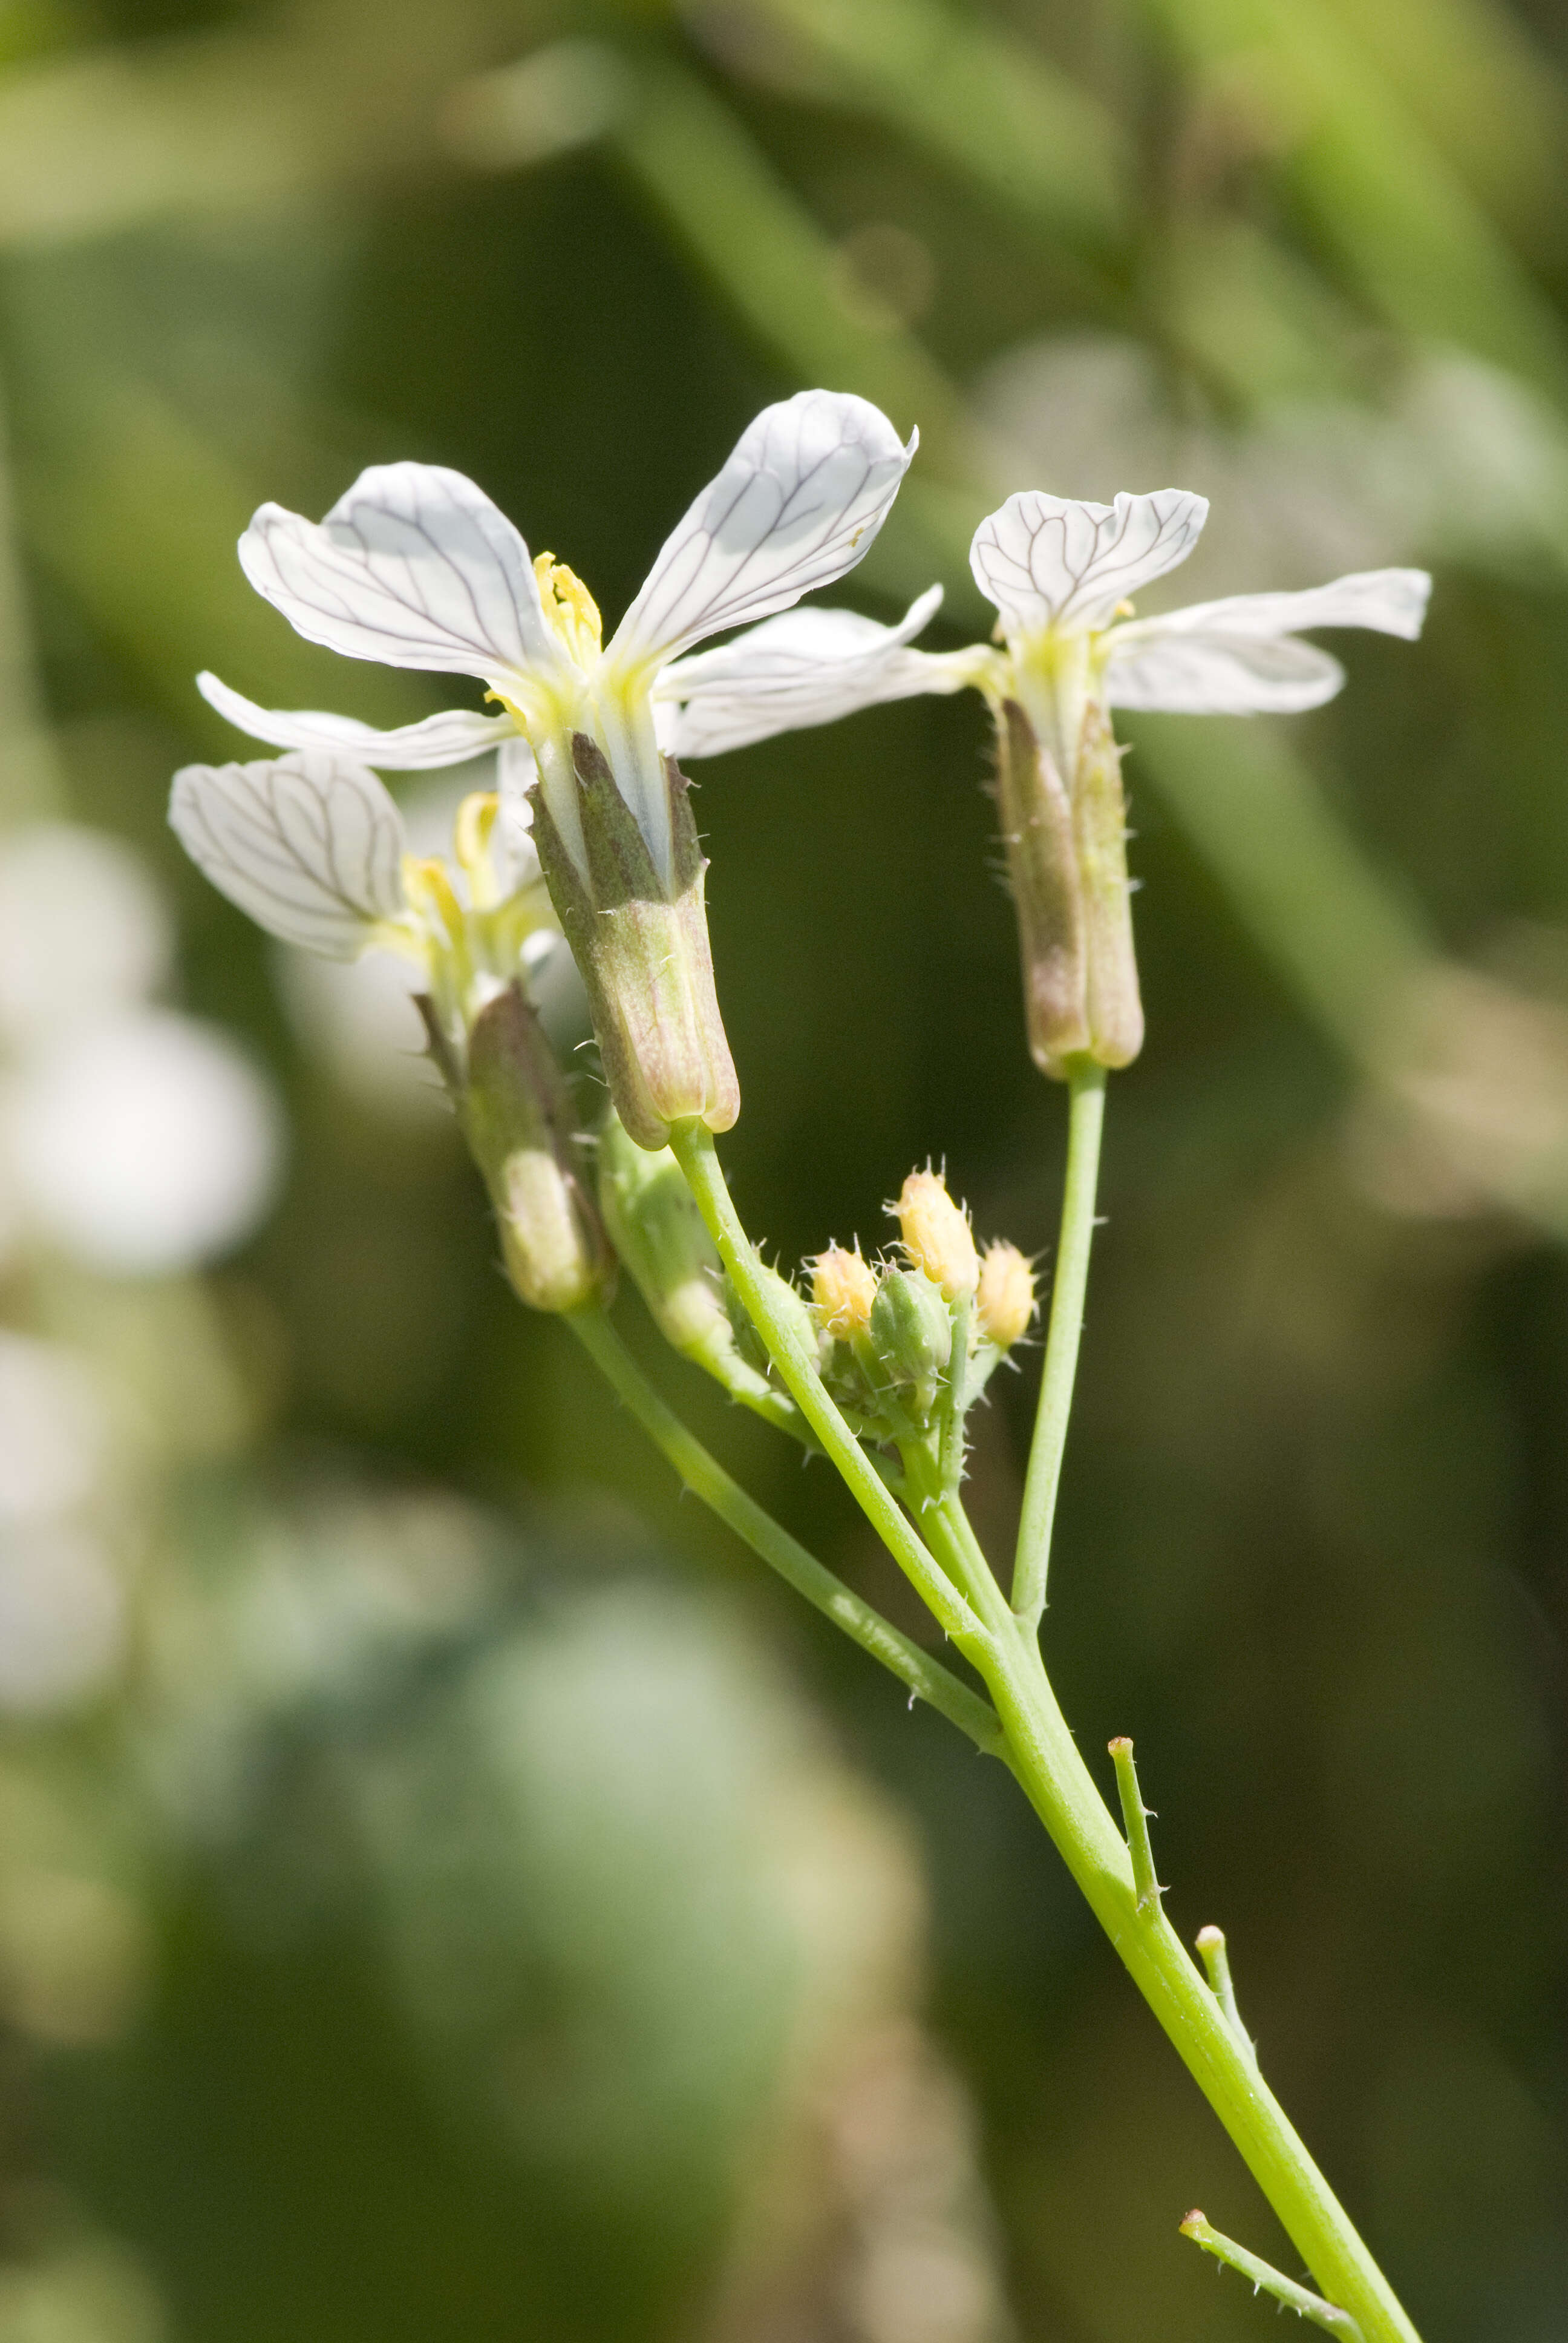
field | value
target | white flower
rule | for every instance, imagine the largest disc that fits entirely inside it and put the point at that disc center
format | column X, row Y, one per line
column 1068, row 648
column 313, row 847
column 416, row 567
column 1060, row 574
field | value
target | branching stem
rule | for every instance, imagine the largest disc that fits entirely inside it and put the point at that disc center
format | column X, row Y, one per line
column 1269, row 2280
column 1004, row 1646
column 692, row 1145
column 706, row 1478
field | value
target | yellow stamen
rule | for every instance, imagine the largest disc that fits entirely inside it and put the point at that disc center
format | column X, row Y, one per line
column 569, row 607
column 471, row 835
column 430, row 891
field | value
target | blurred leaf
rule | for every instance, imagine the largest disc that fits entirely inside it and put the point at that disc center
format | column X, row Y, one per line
column 964, row 91
column 1293, row 83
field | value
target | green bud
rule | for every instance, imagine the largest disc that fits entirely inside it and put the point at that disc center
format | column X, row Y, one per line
column 659, row 1233
column 641, row 944
column 516, row 1113
column 912, row 1335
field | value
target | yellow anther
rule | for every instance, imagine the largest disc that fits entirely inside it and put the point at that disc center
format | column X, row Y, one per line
column 1005, row 1304
column 429, row 887
column 937, row 1234
column 843, row 1288
column 471, row 834
column 569, row 607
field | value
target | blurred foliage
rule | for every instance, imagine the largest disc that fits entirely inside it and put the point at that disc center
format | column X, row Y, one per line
column 428, row 1908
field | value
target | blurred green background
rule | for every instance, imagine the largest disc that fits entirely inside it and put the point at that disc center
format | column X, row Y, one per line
column 445, row 1893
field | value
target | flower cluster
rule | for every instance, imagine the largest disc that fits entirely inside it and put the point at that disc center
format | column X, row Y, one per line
column 416, row 567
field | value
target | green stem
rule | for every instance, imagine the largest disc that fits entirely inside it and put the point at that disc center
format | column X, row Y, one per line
column 958, row 1397
column 1044, row 1754
column 1058, row 1786
column 1299, row 2298
column 706, row 1478
column 1216, row 1959
column 692, row 1146
column 1086, row 1114
column 1135, row 1817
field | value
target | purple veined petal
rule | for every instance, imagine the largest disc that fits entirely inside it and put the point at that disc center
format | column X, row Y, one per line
column 310, row 846
column 1052, row 561
column 1389, row 601
column 802, row 669
column 799, row 502
column 415, row 568
column 448, row 738
column 1219, row 675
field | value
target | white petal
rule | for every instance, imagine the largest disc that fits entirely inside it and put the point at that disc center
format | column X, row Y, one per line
column 1391, row 601
column 1048, row 561
column 1219, row 675
column 415, row 567
column 808, row 667
column 797, row 504
column 310, row 845
column 450, row 739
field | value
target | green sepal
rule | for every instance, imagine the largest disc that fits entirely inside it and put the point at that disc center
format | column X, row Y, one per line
column 910, row 1337
column 642, row 947
column 515, row 1110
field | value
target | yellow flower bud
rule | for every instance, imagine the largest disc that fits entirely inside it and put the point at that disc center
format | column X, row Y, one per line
column 843, row 1288
column 1006, row 1307
column 937, row 1234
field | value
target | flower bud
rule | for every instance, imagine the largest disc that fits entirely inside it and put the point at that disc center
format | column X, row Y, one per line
column 937, row 1234
column 1006, row 1295
column 912, row 1335
column 843, row 1288
column 641, row 939
column 658, row 1231
column 516, row 1114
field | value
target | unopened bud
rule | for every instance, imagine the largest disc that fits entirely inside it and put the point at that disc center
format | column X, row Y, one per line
column 1005, row 1302
column 843, row 1288
column 638, row 932
column 658, row 1231
column 937, row 1234
column 911, row 1333
column 515, row 1109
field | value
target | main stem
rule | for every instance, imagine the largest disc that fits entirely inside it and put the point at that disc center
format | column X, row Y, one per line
column 1062, row 1792
column 1043, row 1753
column 1069, row 1283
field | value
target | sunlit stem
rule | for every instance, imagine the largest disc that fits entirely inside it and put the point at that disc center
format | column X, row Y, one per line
column 1044, row 1756
column 1086, row 1111
column 703, row 1474
column 1296, row 2298
column 692, row 1146
column 1211, row 1944
column 1135, row 1816
column 957, row 1404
